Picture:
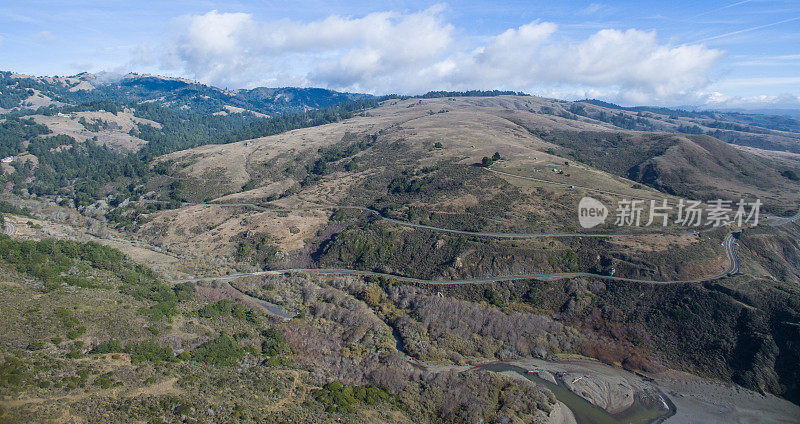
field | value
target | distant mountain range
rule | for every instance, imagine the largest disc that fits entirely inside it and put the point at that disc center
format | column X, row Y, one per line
column 27, row 92
column 167, row 114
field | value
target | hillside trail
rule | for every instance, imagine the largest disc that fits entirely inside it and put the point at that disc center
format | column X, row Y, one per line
column 160, row 388
column 292, row 396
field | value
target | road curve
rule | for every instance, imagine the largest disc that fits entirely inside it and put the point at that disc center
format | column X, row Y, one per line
column 728, row 243
column 779, row 221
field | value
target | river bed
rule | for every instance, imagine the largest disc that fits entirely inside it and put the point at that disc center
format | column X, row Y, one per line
column 643, row 411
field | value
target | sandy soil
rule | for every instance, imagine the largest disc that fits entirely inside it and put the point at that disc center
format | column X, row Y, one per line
column 606, row 387
column 701, row 400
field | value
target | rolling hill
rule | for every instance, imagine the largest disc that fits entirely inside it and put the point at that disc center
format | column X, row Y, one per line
column 332, row 256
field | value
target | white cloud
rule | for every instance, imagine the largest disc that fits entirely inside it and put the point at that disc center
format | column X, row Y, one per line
column 390, row 52
column 717, row 100
column 234, row 49
column 45, row 37
column 592, row 8
column 760, row 82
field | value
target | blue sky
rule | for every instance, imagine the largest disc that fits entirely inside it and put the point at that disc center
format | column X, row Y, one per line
column 718, row 53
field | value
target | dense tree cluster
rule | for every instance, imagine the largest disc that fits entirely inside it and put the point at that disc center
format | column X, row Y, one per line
column 53, row 262
column 14, row 132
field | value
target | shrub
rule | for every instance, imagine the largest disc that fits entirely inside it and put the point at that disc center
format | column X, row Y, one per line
column 161, row 310
column 75, row 332
column 340, row 398
column 255, row 248
column 12, row 372
column 791, row 174
column 184, row 291
column 274, row 342
column 222, row 308
column 149, row 350
column 6, row 207
column 220, row 351
column 338, row 215
column 109, row 346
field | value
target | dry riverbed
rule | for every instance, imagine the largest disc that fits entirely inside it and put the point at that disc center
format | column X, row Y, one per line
column 691, row 399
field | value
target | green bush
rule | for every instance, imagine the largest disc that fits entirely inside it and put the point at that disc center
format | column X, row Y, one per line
column 340, row 398
column 223, row 307
column 54, row 262
column 184, row 291
column 6, row 207
column 257, row 249
column 149, row 350
column 339, row 215
column 791, row 174
column 75, row 332
column 274, row 342
column 109, row 346
column 12, row 372
column 164, row 309
column 104, row 381
column 220, row 351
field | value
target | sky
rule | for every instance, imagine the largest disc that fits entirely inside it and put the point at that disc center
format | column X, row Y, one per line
column 734, row 54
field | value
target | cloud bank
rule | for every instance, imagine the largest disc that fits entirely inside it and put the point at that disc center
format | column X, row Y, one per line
column 409, row 53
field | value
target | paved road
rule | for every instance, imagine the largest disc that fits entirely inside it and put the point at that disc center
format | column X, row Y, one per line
column 269, row 307
column 728, row 244
column 777, row 222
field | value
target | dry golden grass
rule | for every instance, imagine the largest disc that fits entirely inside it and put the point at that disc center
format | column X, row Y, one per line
column 116, row 136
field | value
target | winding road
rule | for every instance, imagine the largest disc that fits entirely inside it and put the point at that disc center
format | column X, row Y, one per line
column 728, row 244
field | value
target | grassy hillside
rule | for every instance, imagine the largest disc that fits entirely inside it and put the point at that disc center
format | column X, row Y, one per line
column 414, row 160
column 443, row 186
